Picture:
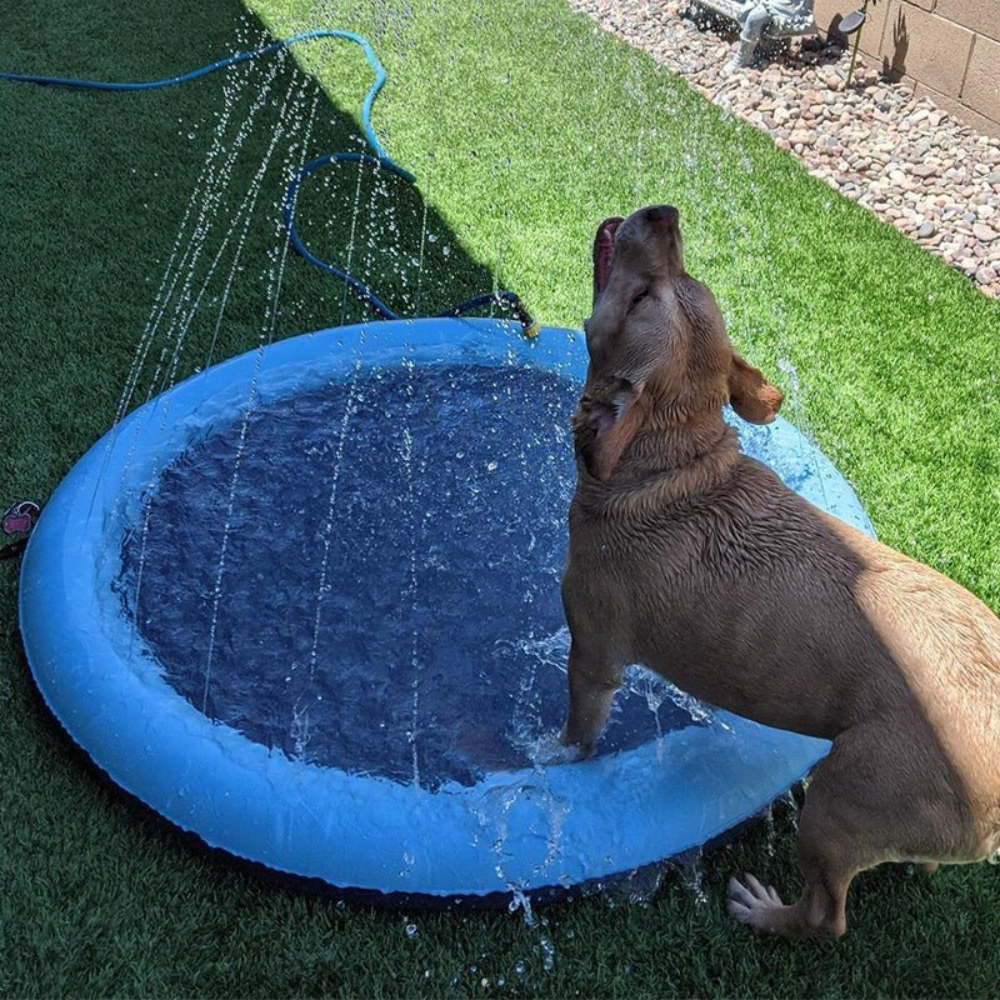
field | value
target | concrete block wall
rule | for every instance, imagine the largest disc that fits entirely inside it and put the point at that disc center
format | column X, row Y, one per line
column 946, row 49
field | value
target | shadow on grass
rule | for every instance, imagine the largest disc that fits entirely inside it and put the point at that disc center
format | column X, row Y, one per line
column 104, row 182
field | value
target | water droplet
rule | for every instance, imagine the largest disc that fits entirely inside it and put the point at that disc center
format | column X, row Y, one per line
column 549, row 951
column 411, row 931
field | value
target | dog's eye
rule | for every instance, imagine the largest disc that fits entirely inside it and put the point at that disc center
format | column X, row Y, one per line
column 639, row 296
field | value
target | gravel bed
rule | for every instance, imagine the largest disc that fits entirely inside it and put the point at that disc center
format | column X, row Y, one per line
column 901, row 156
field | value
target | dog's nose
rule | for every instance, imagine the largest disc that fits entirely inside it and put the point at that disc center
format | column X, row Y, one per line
column 665, row 215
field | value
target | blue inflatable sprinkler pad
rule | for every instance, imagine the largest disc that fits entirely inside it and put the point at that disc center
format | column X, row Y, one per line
column 305, row 605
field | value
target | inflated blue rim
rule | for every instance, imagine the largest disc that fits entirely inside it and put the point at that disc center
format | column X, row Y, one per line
column 528, row 829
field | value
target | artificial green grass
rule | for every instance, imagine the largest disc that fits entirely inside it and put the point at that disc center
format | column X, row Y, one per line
column 525, row 127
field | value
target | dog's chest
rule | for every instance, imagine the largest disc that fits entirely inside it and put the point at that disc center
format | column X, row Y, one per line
column 639, row 565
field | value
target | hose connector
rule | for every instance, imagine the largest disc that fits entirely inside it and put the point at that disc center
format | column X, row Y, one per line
column 530, row 326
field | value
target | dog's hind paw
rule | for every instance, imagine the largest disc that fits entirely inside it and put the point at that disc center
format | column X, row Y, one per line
column 755, row 905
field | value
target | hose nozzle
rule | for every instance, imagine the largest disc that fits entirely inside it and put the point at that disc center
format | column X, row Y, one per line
column 530, row 326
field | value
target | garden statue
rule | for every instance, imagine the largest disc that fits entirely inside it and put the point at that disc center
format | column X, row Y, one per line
column 773, row 18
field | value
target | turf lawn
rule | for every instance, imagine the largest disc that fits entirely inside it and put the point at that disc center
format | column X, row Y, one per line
column 526, row 127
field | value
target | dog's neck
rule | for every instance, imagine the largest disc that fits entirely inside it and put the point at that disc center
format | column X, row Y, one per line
column 669, row 460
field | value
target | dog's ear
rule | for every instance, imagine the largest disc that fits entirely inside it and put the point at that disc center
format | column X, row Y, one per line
column 603, row 427
column 751, row 395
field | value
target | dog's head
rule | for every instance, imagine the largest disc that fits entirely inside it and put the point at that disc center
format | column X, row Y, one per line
column 659, row 353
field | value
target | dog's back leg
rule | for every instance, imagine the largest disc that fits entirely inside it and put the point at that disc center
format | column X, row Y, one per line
column 857, row 814
column 827, row 872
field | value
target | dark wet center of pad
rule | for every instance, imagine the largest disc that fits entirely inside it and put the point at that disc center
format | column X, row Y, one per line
column 370, row 580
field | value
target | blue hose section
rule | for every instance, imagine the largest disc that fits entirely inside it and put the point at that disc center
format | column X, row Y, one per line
column 380, row 159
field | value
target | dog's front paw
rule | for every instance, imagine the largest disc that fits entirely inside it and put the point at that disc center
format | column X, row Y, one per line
column 551, row 749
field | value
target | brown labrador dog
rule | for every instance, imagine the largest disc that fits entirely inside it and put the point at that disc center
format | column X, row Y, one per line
column 693, row 559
